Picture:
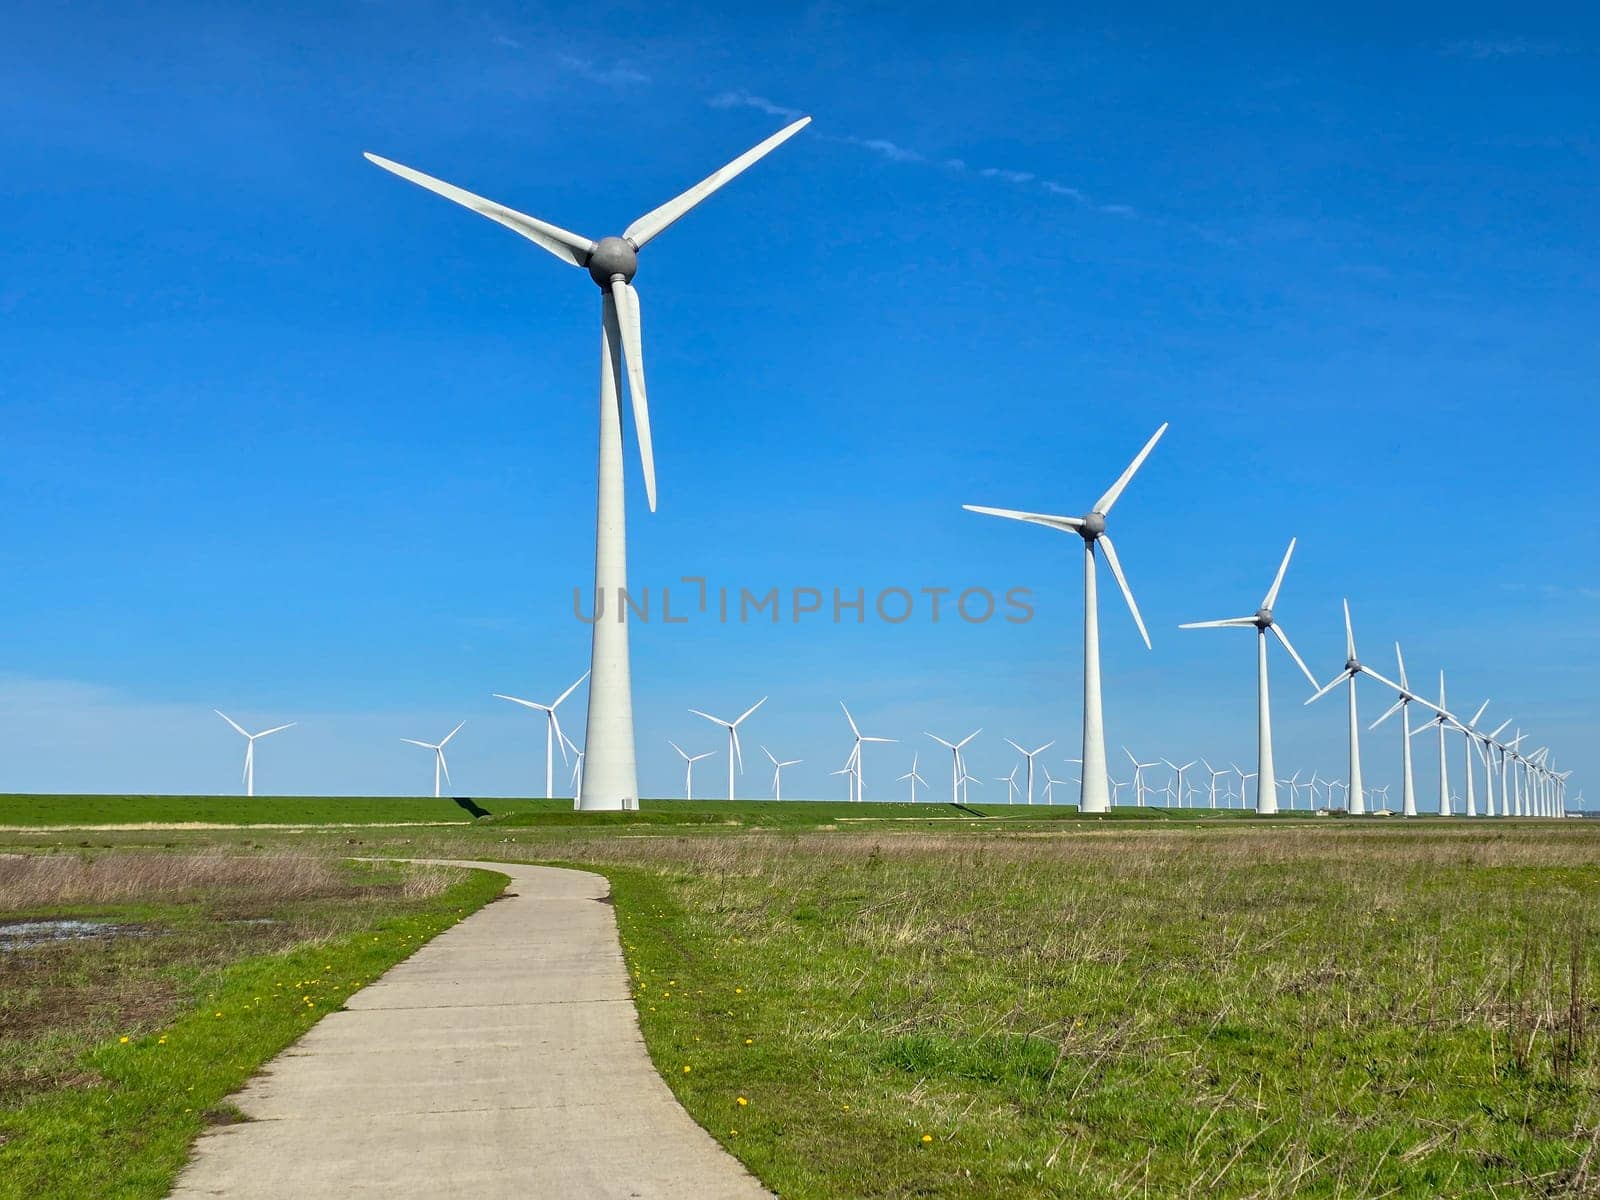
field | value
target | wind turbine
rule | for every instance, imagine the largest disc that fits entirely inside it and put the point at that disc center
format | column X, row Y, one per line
column 957, row 770
column 861, row 787
column 1139, row 788
column 1442, row 719
column 1094, row 796
column 850, row 771
column 1030, row 755
column 1011, row 785
column 438, row 755
column 1486, row 744
column 689, row 761
column 913, row 777
column 1211, row 788
column 611, row 263
column 577, row 773
column 553, row 736
column 1180, row 770
column 1408, row 789
column 1261, row 621
column 734, row 753
column 777, row 772
column 1353, row 667
column 250, row 747
column 1244, row 792
column 1050, row 785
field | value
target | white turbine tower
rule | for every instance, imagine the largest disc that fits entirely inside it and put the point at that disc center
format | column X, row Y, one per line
column 611, row 262
column 957, row 768
column 1353, row 667
column 1180, row 769
column 1094, row 796
column 689, row 761
column 553, row 737
column 734, row 753
column 1030, row 755
column 250, row 748
column 1261, row 621
column 777, row 771
column 1408, row 787
column 438, row 755
column 861, row 787
column 849, row 770
column 913, row 777
column 1442, row 719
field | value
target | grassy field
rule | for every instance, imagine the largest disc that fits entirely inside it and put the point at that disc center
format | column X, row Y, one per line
column 1033, row 1005
column 116, row 1052
column 18, row 811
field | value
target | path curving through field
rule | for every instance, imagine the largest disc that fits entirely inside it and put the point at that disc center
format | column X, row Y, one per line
column 503, row 1059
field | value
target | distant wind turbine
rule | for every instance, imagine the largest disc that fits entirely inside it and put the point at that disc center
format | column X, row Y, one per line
column 734, row 753
column 1263, row 620
column 553, row 737
column 1139, row 768
column 1408, row 788
column 777, row 771
column 250, row 748
column 913, row 777
column 1353, row 667
column 861, row 786
column 689, row 761
column 1180, row 768
column 611, row 263
column 1030, row 755
column 957, row 768
column 1094, row 797
column 439, row 765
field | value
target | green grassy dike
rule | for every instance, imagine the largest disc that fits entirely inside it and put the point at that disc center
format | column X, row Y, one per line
column 155, row 1090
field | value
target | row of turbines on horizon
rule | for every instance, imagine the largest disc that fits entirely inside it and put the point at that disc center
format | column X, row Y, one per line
column 1528, row 782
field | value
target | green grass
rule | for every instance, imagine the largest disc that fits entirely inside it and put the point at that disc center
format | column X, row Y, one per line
column 35, row 810
column 115, row 1055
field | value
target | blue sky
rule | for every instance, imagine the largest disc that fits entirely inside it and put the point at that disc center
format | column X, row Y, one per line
column 289, row 437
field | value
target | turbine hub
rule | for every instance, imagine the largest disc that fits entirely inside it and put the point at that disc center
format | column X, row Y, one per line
column 1263, row 617
column 612, row 259
column 1093, row 526
column 1352, row 665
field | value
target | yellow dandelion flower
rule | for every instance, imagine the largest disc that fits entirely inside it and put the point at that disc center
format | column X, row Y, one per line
column 743, row 1102
column 123, row 1041
column 686, row 1070
column 749, row 1041
column 926, row 1138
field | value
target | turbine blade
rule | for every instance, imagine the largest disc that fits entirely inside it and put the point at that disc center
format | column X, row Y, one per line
column 968, row 738
column 1226, row 623
column 942, row 742
column 276, row 729
column 1349, row 633
column 709, row 717
column 1277, row 580
column 231, row 721
column 452, row 733
column 751, row 709
column 561, row 738
column 1400, row 660
column 566, row 693
column 657, row 219
column 1283, row 638
column 1103, row 505
column 1122, row 582
column 1013, row 745
column 424, row 745
column 1033, row 518
column 444, row 765
column 1335, row 682
column 851, row 719
column 569, row 247
column 679, row 749
column 1477, row 714
column 1389, row 712
column 519, row 700
column 625, row 300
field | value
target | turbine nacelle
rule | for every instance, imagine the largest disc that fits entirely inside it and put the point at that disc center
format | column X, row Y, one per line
column 1094, row 525
column 1263, row 617
column 612, row 258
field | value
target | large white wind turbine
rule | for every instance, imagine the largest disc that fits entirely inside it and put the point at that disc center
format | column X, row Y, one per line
column 689, row 761
column 1030, row 755
column 1353, row 667
column 250, row 748
column 777, row 771
column 1179, row 769
column 438, row 755
column 1094, row 796
column 1211, row 788
column 913, row 777
column 1261, row 621
column 1051, row 783
column 1442, row 720
column 1011, row 785
column 861, row 786
column 958, row 768
column 553, row 737
column 1408, row 787
column 611, row 782
column 1139, row 768
column 735, row 755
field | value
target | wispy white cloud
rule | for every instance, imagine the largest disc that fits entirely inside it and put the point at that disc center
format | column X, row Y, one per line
column 510, row 43
column 1498, row 47
column 759, row 103
column 896, row 152
column 616, row 75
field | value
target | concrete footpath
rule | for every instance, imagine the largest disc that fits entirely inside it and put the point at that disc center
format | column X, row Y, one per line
column 503, row 1059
